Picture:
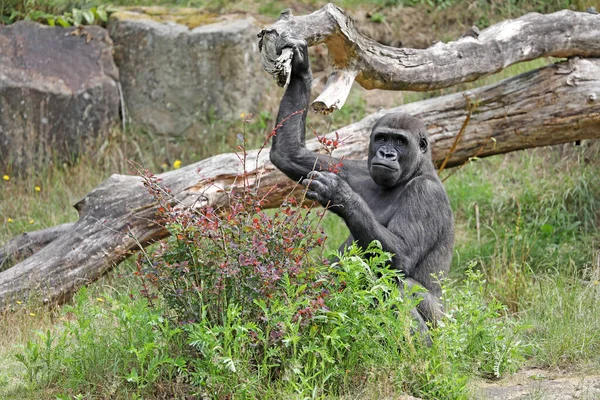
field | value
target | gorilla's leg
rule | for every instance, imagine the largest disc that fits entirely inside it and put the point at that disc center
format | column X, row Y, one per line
column 429, row 306
column 428, row 311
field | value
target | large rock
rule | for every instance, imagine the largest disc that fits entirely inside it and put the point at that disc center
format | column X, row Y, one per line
column 58, row 93
column 181, row 67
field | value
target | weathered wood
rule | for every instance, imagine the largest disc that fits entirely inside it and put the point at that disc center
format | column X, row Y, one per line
column 28, row 243
column 561, row 34
column 555, row 104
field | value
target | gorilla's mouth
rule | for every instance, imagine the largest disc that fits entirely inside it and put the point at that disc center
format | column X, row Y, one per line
column 386, row 166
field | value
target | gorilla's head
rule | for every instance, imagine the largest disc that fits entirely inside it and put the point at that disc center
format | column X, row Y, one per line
column 398, row 149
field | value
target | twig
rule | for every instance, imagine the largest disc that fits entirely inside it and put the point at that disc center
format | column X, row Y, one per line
column 455, row 170
column 471, row 106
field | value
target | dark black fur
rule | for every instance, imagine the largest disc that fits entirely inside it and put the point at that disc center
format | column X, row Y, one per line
column 395, row 197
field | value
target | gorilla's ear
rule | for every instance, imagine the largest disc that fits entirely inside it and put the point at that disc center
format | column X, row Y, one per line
column 423, row 144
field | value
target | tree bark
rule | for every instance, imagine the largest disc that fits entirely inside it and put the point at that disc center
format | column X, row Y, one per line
column 552, row 105
column 28, row 243
column 375, row 66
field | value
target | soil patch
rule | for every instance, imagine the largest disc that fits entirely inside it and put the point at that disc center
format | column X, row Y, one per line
column 541, row 384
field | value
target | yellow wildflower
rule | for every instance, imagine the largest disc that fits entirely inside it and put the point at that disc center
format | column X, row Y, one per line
column 9, row 220
column 32, row 314
column 19, row 302
column 38, row 189
column 31, row 221
column 6, row 178
column 100, row 299
column 177, row 164
column 596, row 282
column 243, row 115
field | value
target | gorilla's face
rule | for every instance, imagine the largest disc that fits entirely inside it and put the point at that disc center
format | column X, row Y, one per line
column 395, row 151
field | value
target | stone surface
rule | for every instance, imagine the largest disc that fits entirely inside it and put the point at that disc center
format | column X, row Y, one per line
column 539, row 384
column 180, row 68
column 58, row 93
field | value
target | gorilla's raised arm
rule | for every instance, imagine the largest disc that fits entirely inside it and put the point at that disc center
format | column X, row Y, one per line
column 288, row 151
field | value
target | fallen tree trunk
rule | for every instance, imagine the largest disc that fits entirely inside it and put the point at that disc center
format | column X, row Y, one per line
column 28, row 243
column 376, row 66
column 552, row 105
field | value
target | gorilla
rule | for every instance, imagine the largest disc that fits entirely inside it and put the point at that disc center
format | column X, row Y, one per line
column 396, row 197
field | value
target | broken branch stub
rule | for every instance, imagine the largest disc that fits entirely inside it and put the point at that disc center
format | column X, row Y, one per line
column 279, row 66
column 375, row 66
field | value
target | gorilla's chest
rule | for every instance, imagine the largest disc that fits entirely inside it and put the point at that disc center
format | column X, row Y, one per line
column 383, row 203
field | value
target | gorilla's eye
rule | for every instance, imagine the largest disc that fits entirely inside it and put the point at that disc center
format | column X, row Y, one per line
column 379, row 138
column 399, row 141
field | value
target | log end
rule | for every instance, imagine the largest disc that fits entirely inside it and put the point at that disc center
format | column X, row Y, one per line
column 322, row 108
column 279, row 66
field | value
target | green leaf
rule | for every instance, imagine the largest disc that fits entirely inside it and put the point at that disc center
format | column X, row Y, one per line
column 133, row 376
column 102, row 14
column 63, row 22
column 88, row 15
column 14, row 15
column 77, row 16
column 547, row 229
column 37, row 15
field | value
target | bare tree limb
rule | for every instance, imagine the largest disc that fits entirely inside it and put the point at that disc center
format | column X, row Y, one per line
column 552, row 105
column 561, row 34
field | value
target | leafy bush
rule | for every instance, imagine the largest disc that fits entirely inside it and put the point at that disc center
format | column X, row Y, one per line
column 103, row 344
column 305, row 344
column 477, row 333
column 238, row 255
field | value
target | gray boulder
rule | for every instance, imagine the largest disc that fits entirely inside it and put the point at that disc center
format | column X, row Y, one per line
column 179, row 68
column 58, row 93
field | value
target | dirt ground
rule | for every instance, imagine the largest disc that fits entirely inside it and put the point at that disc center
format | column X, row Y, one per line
column 533, row 384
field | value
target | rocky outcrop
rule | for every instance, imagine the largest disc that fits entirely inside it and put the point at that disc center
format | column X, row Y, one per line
column 58, row 93
column 179, row 68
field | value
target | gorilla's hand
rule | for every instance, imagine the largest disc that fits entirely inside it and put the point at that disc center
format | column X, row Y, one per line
column 300, row 60
column 328, row 189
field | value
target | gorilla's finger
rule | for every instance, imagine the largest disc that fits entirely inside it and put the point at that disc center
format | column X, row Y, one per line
column 313, row 174
column 282, row 41
column 316, row 186
column 286, row 40
column 313, row 196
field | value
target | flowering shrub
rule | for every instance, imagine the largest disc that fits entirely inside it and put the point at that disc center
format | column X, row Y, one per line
column 236, row 254
column 216, row 257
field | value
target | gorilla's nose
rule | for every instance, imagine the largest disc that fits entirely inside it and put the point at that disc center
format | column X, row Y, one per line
column 387, row 154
